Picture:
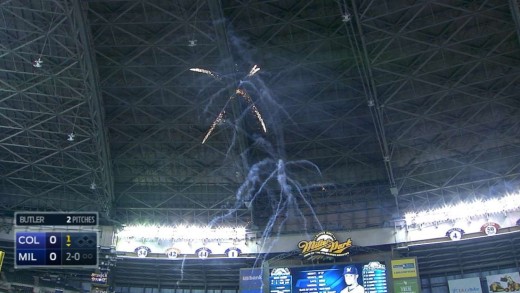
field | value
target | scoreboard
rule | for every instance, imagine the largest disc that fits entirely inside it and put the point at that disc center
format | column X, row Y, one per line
column 327, row 278
column 56, row 249
column 56, row 239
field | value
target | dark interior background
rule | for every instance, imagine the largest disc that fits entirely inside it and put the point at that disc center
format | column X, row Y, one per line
column 372, row 109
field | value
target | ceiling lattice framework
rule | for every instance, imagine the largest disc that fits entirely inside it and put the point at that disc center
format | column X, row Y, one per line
column 400, row 105
column 41, row 106
column 415, row 102
column 446, row 76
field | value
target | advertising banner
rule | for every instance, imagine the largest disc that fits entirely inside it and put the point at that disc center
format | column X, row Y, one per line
column 404, row 268
column 406, row 285
column 2, row 254
column 467, row 285
column 506, row 282
column 250, row 280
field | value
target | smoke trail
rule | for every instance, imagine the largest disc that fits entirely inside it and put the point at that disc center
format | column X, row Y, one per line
column 274, row 178
column 271, row 176
column 182, row 272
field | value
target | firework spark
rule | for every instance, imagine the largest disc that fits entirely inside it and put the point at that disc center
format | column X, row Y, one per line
column 253, row 71
column 217, row 121
column 238, row 92
column 248, row 99
column 208, row 72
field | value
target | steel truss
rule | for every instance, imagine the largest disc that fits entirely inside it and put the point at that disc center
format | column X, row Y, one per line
column 43, row 166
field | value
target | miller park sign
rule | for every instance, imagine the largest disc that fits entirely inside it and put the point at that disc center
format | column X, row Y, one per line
column 324, row 244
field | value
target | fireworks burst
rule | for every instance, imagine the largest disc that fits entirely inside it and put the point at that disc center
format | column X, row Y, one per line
column 239, row 92
column 274, row 177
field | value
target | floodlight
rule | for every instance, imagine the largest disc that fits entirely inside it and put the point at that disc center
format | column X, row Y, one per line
column 346, row 17
column 37, row 63
column 465, row 210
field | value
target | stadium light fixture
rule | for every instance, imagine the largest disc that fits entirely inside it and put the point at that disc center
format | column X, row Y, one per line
column 465, row 210
column 183, row 233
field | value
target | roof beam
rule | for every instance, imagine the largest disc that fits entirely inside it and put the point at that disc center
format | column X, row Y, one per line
column 376, row 111
column 515, row 12
column 88, row 64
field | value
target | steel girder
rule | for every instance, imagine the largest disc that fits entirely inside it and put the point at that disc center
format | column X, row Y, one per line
column 447, row 77
column 43, row 167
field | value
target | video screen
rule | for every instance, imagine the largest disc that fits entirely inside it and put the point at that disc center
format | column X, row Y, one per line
column 334, row 278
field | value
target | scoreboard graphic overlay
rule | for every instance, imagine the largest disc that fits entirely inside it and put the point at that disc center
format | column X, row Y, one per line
column 56, row 239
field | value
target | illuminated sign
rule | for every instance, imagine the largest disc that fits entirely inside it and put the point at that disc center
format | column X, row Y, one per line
column 324, row 244
column 251, row 280
column 368, row 277
column 404, row 268
column 2, row 254
column 407, row 285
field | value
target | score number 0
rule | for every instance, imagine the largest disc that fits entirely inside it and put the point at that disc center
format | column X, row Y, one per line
column 53, row 240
